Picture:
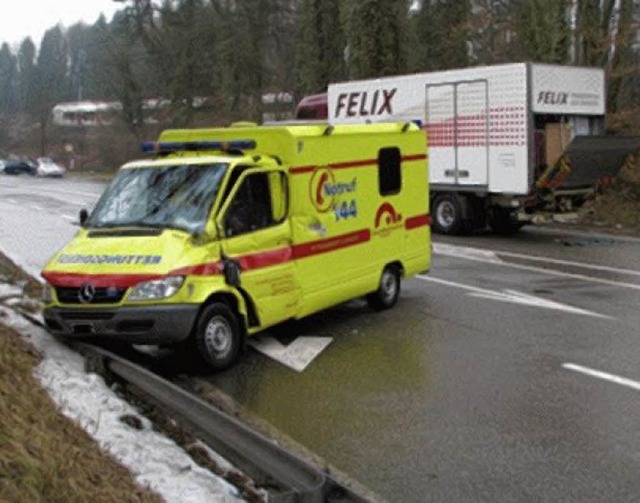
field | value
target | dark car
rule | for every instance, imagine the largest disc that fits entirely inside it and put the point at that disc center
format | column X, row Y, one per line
column 19, row 167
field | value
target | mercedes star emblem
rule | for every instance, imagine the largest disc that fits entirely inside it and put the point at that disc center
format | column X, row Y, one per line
column 86, row 293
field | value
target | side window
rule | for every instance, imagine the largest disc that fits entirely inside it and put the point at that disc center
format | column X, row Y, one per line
column 389, row 172
column 252, row 208
column 233, row 178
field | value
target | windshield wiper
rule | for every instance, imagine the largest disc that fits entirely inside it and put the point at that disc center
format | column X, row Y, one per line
column 125, row 225
column 142, row 226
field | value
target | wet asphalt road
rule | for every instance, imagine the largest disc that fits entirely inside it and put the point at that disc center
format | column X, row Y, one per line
column 472, row 389
column 457, row 395
column 36, row 215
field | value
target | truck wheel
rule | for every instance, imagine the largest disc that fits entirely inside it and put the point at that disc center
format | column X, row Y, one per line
column 447, row 214
column 502, row 221
column 388, row 291
column 217, row 336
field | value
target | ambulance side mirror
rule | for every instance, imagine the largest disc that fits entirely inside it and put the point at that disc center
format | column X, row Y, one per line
column 83, row 216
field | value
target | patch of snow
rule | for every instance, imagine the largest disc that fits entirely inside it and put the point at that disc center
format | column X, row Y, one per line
column 7, row 290
column 155, row 460
column 29, row 238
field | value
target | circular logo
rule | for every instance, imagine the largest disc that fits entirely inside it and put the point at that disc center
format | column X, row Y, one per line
column 86, row 293
column 321, row 198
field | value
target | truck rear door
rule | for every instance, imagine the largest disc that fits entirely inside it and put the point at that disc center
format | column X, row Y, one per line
column 457, row 123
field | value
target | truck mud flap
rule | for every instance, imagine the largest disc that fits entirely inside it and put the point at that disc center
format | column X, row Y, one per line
column 588, row 160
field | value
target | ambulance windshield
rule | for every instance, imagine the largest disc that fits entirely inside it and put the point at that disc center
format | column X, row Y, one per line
column 177, row 197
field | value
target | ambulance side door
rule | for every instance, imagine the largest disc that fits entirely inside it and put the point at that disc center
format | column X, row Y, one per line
column 256, row 235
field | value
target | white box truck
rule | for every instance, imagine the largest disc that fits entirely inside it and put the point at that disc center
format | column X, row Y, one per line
column 508, row 144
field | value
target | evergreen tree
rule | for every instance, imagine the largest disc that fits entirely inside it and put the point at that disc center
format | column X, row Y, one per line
column 8, row 81
column 52, row 78
column 123, row 58
column 441, row 35
column 493, row 32
column 543, row 31
column 623, row 93
column 595, row 23
column 377, row 38
column 27, row 77
column 255, row 37
column 320, row 46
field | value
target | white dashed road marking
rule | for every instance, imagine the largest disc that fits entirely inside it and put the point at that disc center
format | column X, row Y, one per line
column 623, row 381
column 490, row 257
column 514, row 297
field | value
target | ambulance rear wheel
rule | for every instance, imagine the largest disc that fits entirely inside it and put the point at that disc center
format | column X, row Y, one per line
column 217, row 336
column 388, row 291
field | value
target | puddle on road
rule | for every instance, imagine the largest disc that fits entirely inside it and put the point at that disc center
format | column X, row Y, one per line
column 368, row 381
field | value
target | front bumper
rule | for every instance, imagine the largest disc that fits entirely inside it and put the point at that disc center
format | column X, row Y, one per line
column 135, row 324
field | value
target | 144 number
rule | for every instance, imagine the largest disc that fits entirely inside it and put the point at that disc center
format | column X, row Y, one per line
column 345, row 210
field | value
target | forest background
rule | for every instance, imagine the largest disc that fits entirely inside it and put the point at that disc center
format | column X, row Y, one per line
column 211, row 62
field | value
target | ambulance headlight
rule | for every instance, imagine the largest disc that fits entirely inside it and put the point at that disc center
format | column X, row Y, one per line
column 47, row 294
column 157, row 289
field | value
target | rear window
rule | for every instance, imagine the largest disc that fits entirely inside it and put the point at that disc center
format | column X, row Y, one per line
column 389, row 173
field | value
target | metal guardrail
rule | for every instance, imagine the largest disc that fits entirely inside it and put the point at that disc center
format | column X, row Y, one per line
column 286, row 477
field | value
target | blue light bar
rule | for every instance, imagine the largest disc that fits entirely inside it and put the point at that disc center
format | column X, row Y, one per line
column 153, row 147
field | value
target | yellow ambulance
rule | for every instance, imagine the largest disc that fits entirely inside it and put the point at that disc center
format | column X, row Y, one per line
column 225, row 232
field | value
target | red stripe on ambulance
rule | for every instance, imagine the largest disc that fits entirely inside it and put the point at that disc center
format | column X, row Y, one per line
column 247, row 262
column 300, row 170
column 418, row 221
column 265, row 259
column 76, row 280
column 328, row 245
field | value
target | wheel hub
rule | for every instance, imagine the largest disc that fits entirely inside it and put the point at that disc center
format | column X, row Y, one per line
column 389, row 286
column 218, row 336
column 445, row 213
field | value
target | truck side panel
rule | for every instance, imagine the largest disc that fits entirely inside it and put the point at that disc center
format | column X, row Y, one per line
column 567, row 90
column 477, row 121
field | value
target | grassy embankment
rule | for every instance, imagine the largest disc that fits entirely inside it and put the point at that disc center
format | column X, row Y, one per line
column 617, row 206
column 45, row 457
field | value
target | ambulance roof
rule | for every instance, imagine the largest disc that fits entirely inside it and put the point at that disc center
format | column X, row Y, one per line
column 288, row 130
column 284, row 142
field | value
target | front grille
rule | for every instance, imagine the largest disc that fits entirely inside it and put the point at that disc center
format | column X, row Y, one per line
column 85, row 315
column 109, row 295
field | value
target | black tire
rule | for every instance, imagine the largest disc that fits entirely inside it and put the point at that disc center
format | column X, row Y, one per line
column 217, row 336
column 477, row 214
column 388, row 292
column 502, row 221
column 447, row 214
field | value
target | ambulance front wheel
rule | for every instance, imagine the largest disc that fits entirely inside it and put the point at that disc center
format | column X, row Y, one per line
column 388, row 291
column 217, row 336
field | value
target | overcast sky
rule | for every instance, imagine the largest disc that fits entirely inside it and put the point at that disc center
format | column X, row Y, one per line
column 31, row 18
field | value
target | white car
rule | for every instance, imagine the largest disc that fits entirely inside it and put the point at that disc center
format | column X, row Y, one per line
column 46, row 167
